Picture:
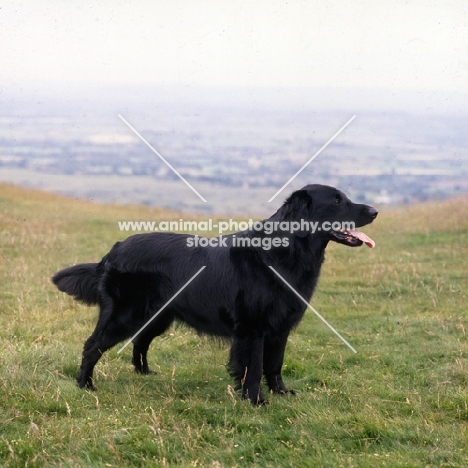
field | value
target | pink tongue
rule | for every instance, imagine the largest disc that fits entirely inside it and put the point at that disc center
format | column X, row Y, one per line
column 363, row 237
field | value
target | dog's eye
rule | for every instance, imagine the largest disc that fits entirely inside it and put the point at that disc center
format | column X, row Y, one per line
column 339, row 200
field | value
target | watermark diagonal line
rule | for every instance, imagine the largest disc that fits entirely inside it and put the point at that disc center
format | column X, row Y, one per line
column 161, row 157
column 313, row 310
column 161, row 309
column 312, row 158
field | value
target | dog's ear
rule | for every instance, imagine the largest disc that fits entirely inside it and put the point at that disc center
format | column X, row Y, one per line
column 298, row 207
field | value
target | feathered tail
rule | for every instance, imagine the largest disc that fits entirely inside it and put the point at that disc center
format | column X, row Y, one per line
column 80, row 281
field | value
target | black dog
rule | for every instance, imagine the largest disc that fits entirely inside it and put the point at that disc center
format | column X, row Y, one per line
column 237, row 295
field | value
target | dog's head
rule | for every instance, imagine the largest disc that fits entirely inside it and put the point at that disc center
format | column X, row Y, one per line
column 330, row 213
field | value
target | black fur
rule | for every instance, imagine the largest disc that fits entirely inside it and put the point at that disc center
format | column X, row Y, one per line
column 80, row 281
column 237, row 296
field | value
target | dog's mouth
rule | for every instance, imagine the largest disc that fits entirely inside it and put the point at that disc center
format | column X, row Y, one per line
column 352, row 238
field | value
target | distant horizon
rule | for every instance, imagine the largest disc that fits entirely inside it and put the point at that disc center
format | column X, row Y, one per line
column 237, row 155
column 320, row 99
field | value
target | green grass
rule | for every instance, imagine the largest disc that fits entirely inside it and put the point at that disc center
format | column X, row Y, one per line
column 401, row 401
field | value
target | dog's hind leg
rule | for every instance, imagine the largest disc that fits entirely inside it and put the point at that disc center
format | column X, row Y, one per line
column 108, row 332
column 143, row 340
column 273, row 356
column 92, row 352
column 94, row 348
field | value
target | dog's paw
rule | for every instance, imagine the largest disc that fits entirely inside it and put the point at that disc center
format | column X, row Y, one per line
column 144, row 371
column 86, row 385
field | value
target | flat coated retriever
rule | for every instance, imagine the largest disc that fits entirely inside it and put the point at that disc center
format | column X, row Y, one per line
column 236, row 296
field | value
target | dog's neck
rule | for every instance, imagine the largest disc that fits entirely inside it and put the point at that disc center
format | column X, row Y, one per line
column 299, row 262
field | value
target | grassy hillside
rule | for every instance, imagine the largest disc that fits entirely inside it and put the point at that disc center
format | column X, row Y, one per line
column 401, row 401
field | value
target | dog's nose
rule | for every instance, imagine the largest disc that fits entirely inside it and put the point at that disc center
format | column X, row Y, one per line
column 372, row 212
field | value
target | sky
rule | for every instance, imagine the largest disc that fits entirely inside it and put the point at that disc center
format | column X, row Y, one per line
column 416, row 45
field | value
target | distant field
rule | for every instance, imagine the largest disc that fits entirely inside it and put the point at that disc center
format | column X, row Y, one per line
column 149, row 191
column 401, row 401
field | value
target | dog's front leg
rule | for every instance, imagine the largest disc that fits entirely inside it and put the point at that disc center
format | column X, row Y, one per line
column 246, row 365
column 273, row 356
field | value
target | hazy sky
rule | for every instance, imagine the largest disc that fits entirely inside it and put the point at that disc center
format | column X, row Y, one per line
column 380, row 44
